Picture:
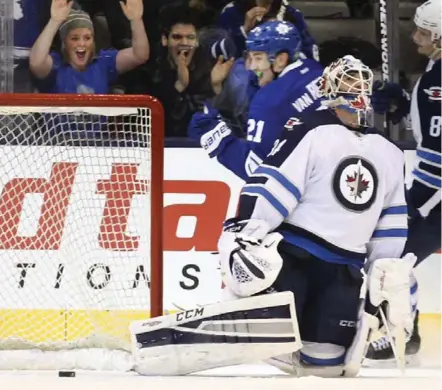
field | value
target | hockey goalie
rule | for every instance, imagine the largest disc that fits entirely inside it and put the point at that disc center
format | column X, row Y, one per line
column 326, row 207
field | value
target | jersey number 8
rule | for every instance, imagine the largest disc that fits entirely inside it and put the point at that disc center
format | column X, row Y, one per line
column 435, row 126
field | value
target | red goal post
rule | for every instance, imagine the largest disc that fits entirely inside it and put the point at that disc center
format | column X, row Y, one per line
column 65, row 160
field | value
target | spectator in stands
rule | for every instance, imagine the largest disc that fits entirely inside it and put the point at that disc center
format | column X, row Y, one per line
column 240, row 16
column 79, row 69
column 119, row 27
column 185, row 75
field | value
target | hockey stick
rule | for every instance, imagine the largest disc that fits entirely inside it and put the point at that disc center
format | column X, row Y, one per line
column 382, row 26
column 397, row 344
column 388, row 32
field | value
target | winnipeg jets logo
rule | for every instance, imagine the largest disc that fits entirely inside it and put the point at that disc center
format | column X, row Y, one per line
column 434, row 93
column 355, row 184
column 283, row 28
column 292, row 122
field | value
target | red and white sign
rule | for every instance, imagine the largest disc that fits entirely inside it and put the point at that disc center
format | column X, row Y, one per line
column 74, row 228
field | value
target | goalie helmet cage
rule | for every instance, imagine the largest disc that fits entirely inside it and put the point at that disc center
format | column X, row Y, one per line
column 58, row 309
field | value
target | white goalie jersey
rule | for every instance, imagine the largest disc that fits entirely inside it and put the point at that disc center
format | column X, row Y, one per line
column 337, row 193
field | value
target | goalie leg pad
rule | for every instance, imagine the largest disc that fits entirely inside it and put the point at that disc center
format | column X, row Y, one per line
column 367, row 323
column 218, row 335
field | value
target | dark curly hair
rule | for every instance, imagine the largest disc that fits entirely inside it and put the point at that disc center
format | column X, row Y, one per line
column 178, row 14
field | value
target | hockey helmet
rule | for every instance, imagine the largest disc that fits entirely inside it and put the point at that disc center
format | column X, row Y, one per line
column 348, row 83
column 428, row 17
column 273, row 38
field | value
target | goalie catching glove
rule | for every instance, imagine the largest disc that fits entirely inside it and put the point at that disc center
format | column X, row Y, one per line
column 249, row 258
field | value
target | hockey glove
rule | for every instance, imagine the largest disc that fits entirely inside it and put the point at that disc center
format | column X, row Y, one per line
column 249, row 258
column 388, row 280
column 390, row 98
column 223, row 47
column 210, row 130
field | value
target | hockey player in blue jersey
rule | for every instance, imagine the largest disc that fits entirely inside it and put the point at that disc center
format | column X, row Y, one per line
column 324, row 204
column 287, row 87
column 424, row 195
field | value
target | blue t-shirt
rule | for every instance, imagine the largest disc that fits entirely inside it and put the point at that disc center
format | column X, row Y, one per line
column 98, row 76
column 79, row 129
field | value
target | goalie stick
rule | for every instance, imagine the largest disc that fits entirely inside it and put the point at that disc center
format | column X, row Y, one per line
column 398, row 343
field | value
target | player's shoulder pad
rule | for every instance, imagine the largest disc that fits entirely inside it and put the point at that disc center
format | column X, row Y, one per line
column 311, row 120
column 305, row 67
column 312, row 64
column 390, row 148
column 396, row 146
column 298, row 127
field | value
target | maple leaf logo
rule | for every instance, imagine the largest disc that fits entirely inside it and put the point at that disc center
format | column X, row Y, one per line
column 357, row 184
column 283, row 28
column 322, row 83
column 358, row 103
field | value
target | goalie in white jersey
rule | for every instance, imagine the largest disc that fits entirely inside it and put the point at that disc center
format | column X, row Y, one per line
column 326, row 202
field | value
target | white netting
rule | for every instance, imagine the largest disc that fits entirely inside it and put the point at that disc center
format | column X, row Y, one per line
column 74, row 233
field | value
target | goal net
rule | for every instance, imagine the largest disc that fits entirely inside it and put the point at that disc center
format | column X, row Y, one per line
column 80, row 228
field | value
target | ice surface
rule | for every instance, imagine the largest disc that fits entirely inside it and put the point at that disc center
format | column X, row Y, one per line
column 251, row 377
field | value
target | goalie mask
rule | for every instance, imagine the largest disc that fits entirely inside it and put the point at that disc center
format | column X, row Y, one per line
column 347, row 84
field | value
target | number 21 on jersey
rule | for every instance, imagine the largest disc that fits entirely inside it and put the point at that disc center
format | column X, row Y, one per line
column 254, row 130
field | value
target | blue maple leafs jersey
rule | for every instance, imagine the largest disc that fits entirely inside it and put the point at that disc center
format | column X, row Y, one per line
column 294, row 92
column 426, row 120
column 26, row 28
column 331, row 191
